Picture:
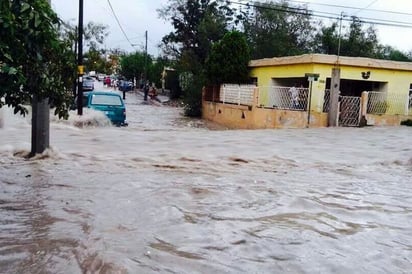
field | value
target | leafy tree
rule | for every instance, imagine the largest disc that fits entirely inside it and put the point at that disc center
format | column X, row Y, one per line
column 94, row 34
column 358, row 42
column 34, row 61
column 390, row 53
column 193, row 96
column 228, row 60
column 277, row 29
column 197, row 24
column 133, row 65
column 355, row 41
column 327, row 39
column 94, row 61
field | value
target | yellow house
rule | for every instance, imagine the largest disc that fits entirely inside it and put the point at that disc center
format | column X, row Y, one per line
column 378, row 90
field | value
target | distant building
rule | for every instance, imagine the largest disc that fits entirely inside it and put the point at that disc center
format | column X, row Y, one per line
column 385, row 86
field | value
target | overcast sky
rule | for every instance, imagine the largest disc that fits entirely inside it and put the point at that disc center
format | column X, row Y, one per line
column 137, row 16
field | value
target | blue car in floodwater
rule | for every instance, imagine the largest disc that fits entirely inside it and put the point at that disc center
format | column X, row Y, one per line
column 110, row 103
column 125, row 85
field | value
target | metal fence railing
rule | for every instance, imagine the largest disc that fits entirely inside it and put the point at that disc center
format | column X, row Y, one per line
column 326, row 101
column 350, row 111
column 387, row 103
column 277, row 97
column 283, row 98
column 237, row 94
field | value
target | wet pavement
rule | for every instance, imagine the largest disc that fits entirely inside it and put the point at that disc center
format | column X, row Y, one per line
column 169, row 194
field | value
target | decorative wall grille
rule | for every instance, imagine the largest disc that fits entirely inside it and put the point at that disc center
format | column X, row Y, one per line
column 349, row 111
column 281, row 98
column 237, row 94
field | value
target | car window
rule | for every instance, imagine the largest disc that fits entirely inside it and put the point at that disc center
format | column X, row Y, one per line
column 109, row 100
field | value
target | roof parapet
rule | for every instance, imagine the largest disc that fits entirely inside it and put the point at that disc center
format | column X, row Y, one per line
column 331, row 60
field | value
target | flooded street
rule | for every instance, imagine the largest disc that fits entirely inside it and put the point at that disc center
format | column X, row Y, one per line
column 168, row 194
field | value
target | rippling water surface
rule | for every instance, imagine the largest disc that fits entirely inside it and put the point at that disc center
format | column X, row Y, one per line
column 168, row 194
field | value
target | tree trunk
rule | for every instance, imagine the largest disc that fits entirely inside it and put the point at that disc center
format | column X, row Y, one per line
column 40, row 126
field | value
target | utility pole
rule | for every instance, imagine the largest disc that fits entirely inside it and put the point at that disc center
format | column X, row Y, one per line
column 80, row 68
column 333, row 113
column 75, row 56
column 145, row 57
column 340, row 31
column 334, row 91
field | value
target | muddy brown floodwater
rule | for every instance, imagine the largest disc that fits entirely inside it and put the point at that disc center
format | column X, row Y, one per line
column 168, row 194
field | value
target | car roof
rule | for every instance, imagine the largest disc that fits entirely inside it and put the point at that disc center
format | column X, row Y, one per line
column 101, row 93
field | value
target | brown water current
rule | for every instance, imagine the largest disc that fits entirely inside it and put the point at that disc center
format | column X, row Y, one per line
column 168, row 194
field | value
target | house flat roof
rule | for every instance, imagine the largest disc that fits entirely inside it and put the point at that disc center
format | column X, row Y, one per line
column 331, row 60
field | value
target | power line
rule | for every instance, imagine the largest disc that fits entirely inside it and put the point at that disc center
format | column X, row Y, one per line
column 118, row 22
column 102, row 6
column 366, row 8
column 350, row 8
column 132, row 38
column 326, row 15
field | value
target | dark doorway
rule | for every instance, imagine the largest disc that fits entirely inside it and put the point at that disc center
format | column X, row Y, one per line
column 356, row 87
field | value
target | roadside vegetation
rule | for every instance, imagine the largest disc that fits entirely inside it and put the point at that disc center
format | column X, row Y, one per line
column 34, row 59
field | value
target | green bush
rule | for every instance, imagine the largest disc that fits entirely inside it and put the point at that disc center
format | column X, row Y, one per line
column 228, row 60
column 193, row 99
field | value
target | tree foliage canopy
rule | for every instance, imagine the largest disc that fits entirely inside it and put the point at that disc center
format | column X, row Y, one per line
column 33, row 58
column 276, row 29
column 228, row 60
column 357, row 42
column 198, row 24
column 94, row 35
column 133, row 65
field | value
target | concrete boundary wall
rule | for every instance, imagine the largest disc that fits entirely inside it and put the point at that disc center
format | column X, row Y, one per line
column 252, row 116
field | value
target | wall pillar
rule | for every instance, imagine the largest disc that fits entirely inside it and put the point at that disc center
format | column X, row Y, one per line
column 364, row 103
column 364, row 108
column 255, row 97
column 333, row 114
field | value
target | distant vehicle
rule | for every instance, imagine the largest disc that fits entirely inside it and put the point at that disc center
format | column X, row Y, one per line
column 88, row 78
column 92, row 73
column 100, row 77
column 107, row 81
column 88, row 83
column 125, row 85
column 110, row 103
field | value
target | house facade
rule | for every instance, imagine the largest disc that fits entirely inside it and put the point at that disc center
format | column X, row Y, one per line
column 376, row 91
